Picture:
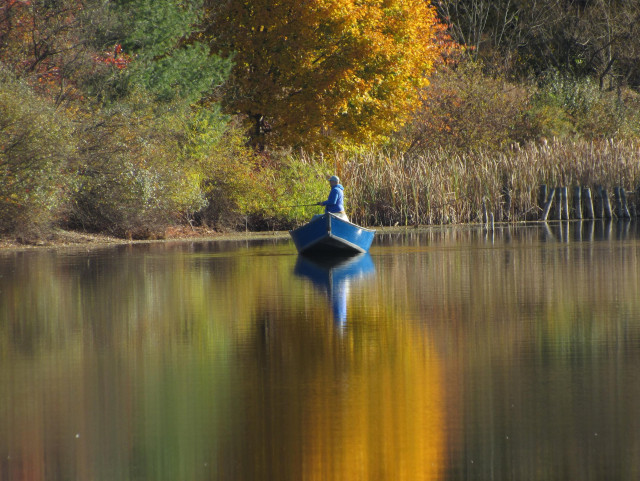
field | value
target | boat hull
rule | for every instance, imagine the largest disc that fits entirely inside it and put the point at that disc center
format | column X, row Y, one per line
column 331, row 235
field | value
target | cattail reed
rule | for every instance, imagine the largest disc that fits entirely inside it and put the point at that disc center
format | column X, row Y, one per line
column 440, row 187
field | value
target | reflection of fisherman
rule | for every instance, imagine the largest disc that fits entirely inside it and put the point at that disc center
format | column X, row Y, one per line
column 335, row 277
column 339, row 302
column 335, row 202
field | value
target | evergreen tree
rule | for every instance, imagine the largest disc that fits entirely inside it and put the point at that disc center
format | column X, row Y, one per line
column 158, row 48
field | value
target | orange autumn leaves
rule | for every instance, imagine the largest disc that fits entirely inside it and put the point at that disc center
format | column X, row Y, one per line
column 322, row 72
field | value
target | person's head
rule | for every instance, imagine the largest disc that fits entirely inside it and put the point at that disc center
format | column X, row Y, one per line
column 334, row 180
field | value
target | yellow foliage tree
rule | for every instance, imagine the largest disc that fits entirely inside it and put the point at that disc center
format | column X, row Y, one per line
column 319, row 71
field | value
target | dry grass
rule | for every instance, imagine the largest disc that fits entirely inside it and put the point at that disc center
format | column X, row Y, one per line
column 441, row 187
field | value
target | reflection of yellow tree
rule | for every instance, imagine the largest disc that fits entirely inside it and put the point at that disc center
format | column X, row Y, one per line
column 356, row 404
column 386, row 422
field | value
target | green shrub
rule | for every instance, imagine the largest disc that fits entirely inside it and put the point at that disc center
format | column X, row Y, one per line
column 299, row 182
column 153, row 45
column 259, row 191
column 136, row 177
column 36, row 149
column 566, row 106
column 232, row 187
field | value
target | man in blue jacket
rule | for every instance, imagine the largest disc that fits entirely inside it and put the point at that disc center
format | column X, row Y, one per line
column 335, row 202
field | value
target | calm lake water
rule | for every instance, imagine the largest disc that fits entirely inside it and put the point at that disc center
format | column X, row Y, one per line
column 446, row 354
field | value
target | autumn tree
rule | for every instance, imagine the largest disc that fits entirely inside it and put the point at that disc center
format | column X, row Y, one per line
column 41, row 41
column 314, row 72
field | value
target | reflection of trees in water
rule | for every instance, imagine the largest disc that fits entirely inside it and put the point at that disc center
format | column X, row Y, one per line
column 537, row 331
column 158, row 414
column 96, row 348
column 546, row 415
column 209, row 366
column 360, row 403
column 267, row 391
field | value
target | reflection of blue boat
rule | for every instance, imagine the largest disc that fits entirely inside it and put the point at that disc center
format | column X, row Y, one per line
column 331, row 235
column 334, row 275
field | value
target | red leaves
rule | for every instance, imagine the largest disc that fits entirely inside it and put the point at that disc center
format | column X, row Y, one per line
column 11, row 3
column 118, row 58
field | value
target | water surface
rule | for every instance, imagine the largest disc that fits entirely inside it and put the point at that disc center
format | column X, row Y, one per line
column 446, row 354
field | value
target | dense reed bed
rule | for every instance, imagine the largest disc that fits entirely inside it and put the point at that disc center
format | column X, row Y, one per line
column 443, row 187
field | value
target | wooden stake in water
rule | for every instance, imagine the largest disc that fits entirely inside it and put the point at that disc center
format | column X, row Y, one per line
column 542, row 196
column 506, row 194
column 485, row 217
column 625, row 206
column 597, row 203
column 622, row 211
column 565, row 203
column 606, row 204
column 547, row 205
column 559, row 203
column 588, row 204
column 577, row 202
column 618, row 201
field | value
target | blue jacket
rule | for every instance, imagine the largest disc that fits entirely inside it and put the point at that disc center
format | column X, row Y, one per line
column 335, row 202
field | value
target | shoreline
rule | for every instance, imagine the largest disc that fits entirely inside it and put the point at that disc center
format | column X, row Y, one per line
column 61, row 239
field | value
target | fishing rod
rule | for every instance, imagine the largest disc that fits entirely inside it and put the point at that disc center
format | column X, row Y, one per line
column 300, row 205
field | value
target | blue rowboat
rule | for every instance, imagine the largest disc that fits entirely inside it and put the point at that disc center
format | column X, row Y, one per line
column 330, row 235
